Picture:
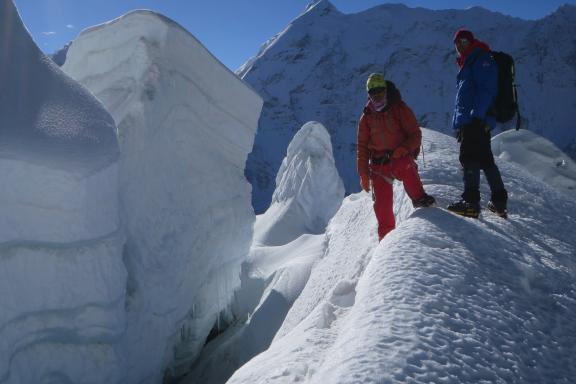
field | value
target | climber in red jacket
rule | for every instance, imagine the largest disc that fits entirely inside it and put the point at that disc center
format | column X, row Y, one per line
column 389, row 141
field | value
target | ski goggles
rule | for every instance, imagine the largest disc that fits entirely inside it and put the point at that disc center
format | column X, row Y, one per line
column 377, row 91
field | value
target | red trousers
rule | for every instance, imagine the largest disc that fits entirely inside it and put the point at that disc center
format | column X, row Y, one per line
column 382, row 176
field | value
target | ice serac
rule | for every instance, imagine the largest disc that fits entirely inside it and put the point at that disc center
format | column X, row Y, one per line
column 186, row 124
column 62, row 280
column 315, row 70
column 308, row 191
column 540, row 157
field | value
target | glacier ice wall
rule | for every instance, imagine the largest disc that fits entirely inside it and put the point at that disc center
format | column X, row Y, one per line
column 186, row 124
column 62, row 279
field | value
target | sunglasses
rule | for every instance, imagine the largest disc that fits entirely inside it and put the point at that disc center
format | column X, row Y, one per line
column 377, row 91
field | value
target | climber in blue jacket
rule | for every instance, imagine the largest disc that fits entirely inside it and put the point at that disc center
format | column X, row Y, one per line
column 476, row 89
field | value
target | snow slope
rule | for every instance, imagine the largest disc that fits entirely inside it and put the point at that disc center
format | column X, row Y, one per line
column 288, row 240
column 62, row 279
column 442, row 298
column 186, row 124
column 316, row 69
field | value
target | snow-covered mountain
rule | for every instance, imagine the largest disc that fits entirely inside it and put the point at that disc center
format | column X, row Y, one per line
column 316, row 68
column 442, row 299
column 186, row 124
column 62, row 279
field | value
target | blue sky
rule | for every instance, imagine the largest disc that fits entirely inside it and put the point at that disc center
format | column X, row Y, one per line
column 232, row 30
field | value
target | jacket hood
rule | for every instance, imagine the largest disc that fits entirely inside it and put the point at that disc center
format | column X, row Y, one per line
column 476, row 45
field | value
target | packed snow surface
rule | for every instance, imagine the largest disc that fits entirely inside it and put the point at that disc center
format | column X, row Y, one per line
column 443, row 298
column 186, row 124
column 62, row 279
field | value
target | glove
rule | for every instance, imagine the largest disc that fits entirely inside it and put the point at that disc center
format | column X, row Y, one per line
column 400, row 152
column 365, row 183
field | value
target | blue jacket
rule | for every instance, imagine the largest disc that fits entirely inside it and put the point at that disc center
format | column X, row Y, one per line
column 476, row 88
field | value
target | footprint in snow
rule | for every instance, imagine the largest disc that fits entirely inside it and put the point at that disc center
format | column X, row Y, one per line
column 344, row 294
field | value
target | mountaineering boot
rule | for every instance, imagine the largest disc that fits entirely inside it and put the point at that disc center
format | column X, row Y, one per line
column 464, row 208
column 424, row 202
column 498, row 208
column 497, row 203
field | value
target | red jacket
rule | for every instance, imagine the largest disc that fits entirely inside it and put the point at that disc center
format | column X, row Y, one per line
column 384, row 131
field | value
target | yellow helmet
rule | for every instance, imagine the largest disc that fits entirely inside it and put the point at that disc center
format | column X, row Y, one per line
column 375, row 80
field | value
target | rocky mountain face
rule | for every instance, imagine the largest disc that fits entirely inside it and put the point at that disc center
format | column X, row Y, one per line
column 316, row 68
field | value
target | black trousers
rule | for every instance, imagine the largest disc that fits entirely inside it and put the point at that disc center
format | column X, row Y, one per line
column 475, row 155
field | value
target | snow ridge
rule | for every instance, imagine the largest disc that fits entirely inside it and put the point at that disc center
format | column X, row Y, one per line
column 442, row 298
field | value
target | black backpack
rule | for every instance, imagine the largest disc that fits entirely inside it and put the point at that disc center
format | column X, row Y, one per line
column 505, row 105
